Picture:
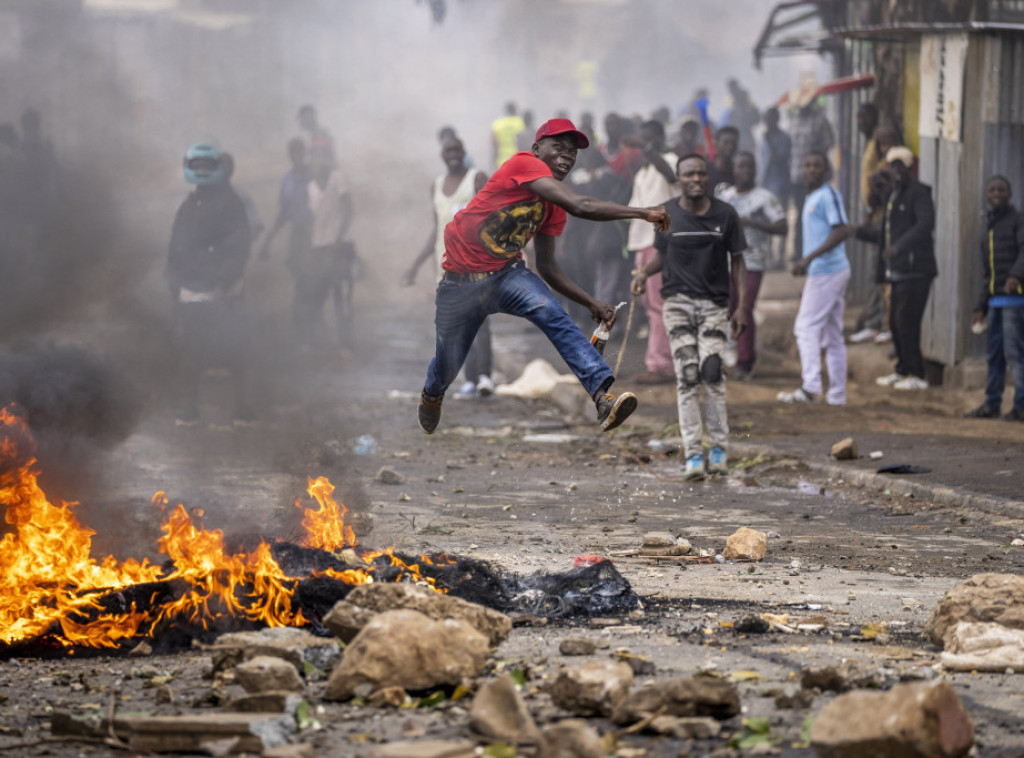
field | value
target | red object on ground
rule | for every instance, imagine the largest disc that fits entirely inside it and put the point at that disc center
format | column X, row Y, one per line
column 587, row 560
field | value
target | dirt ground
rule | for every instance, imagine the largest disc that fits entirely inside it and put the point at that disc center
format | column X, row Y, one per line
column 529, row 487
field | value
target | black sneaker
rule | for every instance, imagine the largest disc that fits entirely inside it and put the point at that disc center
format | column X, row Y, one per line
column 983, row 411
column 612, row 410
column 429, row 412
column 1014, row 415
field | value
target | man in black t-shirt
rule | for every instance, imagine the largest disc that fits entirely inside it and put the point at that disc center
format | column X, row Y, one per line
column 698, row 257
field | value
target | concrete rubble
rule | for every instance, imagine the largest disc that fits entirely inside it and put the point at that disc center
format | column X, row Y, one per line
column 996, row 598
column 571, row 738
column 746, row 544
column 500, row 713
column 266, row 674
column 296, row 646
column 909, row 721
column 350, row 615
column 593, row 688
column 680, row 696
column 845, row 450
column 408, row 649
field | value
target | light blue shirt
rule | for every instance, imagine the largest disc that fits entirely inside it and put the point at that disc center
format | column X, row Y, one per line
column 823, row 209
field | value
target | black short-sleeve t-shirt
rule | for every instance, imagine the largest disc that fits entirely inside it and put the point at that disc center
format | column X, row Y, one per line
column 695, row 251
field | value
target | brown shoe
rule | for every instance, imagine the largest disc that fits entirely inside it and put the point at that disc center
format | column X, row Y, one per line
column 654, row 377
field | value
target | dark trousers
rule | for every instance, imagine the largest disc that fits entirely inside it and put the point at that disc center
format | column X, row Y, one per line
column 907, row 303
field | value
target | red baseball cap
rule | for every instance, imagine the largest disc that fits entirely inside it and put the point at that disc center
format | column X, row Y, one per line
column 556, row 126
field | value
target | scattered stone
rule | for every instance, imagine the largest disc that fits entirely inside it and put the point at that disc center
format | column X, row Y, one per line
column 388, row 475
column 265, row 673
column 686, row 727
column 641, row 666
column 746, row 544
column 350, row 615
column 789, row 697
column 975, row 646
column 141, row 650
column 426, row 749
column 592, row 689
column 297, row 646
column 659, row 539
column 682, row 696
column 405, row 648
column 598, row 622
column 577, row 646
column 388, row 697
column 845, row 450
column 984, row 597
column 751, row 624
column 571, row 738
column 266, row 702
column 909, row 721
column 238, row 732
column 164, row 694
column 848, row 675
column 499, row 713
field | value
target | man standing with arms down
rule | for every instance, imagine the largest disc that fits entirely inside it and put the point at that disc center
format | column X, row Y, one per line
column 819, row 322
column 703, row 242
column 485, row 273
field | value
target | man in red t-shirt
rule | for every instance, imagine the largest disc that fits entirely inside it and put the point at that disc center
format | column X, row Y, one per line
column 484, row 270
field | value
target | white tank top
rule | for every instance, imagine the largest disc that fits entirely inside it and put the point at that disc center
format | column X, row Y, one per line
column 446, row 206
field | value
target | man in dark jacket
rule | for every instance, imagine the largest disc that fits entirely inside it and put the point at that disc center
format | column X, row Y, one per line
column 209, row 248
column 907, row 262
column 1002, row 301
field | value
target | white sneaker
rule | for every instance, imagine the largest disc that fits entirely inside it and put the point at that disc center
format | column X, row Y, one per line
column 863, row 335
column 468, row 389
column 911, row 383
column 485, row 386
column 883, row 337
column 796, row 396
column 889, row 380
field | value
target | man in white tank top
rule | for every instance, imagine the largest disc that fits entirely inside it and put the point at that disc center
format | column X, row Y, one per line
column 450, row 193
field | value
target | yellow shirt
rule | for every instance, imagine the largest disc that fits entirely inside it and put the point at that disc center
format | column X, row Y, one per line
column 504, row 131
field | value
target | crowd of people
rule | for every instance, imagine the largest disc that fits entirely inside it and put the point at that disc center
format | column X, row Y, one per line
column 211, row 241
column 725, row 190
column 693, row 213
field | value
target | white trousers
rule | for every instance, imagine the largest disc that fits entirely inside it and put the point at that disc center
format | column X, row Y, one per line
column 819, row 326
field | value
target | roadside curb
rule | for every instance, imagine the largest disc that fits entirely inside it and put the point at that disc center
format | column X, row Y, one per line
column 949, row 496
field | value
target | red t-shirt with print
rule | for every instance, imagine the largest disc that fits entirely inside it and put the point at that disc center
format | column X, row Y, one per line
column 501, row 218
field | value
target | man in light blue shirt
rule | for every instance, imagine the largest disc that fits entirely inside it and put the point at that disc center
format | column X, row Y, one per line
column 819, row 322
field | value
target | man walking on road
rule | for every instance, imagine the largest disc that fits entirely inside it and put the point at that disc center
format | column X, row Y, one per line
column 484, row 271
column 703, row 242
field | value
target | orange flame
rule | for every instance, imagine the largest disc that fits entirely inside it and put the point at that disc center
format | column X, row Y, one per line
column 46, row 570
column 48, row 577
column 326, row 528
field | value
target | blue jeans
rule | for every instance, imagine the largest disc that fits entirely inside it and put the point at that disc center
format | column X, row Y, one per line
column 461, row 308
column 1005, row 348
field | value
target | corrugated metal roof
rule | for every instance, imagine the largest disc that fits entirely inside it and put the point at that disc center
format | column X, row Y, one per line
column 913, row 29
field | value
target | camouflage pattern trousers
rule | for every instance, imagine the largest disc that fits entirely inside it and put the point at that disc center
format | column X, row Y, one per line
column 697, row 332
